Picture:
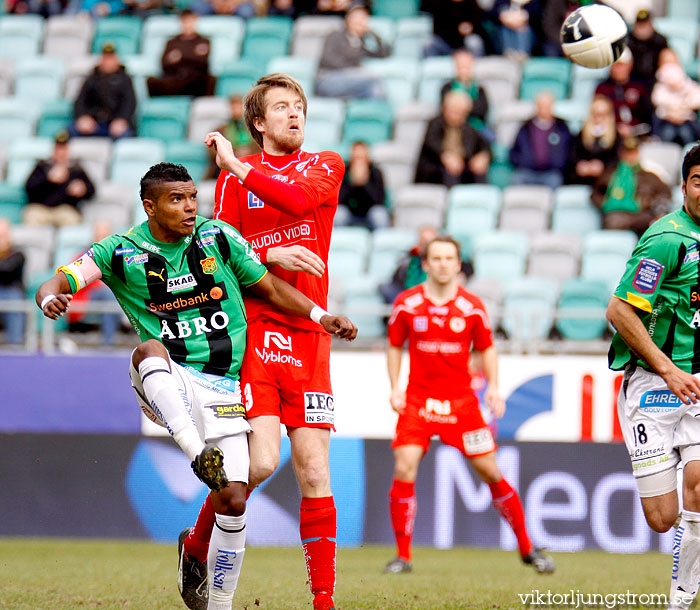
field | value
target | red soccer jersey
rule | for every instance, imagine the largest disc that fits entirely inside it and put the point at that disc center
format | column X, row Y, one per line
column 440, row 338
column 285, row 201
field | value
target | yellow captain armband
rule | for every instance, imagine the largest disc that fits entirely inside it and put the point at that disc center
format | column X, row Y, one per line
column 81, row 272
column 636, row 301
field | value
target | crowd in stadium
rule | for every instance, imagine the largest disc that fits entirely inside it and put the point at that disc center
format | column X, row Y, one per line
column 452, row 115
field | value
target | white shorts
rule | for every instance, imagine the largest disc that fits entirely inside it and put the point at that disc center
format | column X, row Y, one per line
column 214, row 403
column 659, row 431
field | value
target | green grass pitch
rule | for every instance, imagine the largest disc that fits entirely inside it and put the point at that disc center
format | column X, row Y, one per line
column 59, row 574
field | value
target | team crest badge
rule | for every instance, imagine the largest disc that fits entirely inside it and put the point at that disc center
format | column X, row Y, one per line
column 209, row 265
column 457, row 324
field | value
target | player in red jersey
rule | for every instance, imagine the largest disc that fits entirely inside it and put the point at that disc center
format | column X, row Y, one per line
column 283, row 201
column 442, row 322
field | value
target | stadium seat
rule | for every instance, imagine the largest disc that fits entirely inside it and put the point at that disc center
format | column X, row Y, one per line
column 682, row 35
column 396, row 9
column 114, row 203
column 581, row 309
column 71, row 241
column 491, row 294
column 411, row 120
column 345, row 264
column 497, row 67
column 193, row 155
column 68, row 36
column 324, row 120
column 396, row 161
column 545, row 73
column 500, row 255
column 309, row 33
column 508, row 119
column 367, row 120
column 56, row 114
column 157, row 30
column 384, row 27
column 412, row 35
column 206, row 192
column 23, row 155
column 225, row 32
column 21, row 35
column 585, row 80
column 301, row 68
column 554, row 255
column 13, row 197
column 515, row 196
column 682, row 9
column 237, row 77
column 389, row 246
column 131, row 158
column 528, row 307
column 605, row 254
column 164, row 118
column 416, row 205
column 265, row 38
column 434, row 73
column 206, row 114
column 663, row 159
column 526, row 208
column 7, row 76
column 398, row 75
column 572, row 195
column 464, row 222
column 77, row 70
column 351, row 239
column 94, row 155
column 39, row 78
column 36, row 242
column 123, row 31
column 465, row 195
column 500, row 169
column 573, row 111
column 363, row 304
column 573, row 211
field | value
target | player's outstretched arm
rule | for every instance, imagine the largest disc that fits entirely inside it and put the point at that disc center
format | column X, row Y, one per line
column 296, row 258
column 624, row 318
column 287, row 298
column 54, row 296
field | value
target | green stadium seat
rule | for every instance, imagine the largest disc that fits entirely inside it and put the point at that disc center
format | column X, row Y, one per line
column 237, row 77
column 301, row 68
column 131, row 158
column 39, row 78
column 363, row 304
column 124, row 31
column 23, row 155
column 500, row 254
column 528, row 307
column 13, row 197
column 164, row 118
column 21, row 35
column 265, row 38
column 582, row 305
column 396, row 9
column 56, row 115
column 398, row 75
column 226, row 35
column 193, row 155
column 157, row 30
column 368, row 120
column 545, row 73
column 605, row 254
column 412, row 34
column 682, row 9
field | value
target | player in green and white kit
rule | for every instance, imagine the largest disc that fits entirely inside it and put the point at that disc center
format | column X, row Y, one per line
column 179, row 277
column 656, row 312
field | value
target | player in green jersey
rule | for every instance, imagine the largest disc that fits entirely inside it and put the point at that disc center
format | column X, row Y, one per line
column 656, row 312
column 179, row 277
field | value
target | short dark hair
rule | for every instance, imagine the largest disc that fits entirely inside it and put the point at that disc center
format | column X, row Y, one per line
column 692, row 157
column 160, row 173
column 444, row 239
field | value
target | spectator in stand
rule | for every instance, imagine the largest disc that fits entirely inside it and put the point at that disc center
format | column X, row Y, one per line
column 240, row 8
column 236, row 132
column 185, row 63
column 453, row 152
column 630, row 98
column 362, row 200
column 629, row 197
column 96, row 292
column 106, row 103
column 542, row 147
column 457, row 24
column 332, row 7
column 340, row 73
column 676, row 99
column 55, row 188
column 11, row 286
column 464, row 81
column 595, row 147
column 283, row 8
column 45, row 8
column 646, row 45
column 409, row 272
column 517, row 36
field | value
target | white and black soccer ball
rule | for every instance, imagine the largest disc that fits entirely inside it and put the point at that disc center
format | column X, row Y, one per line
column 593, row 36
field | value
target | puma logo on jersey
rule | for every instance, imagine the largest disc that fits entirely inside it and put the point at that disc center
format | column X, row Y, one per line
column 158, row 275
column 328, row 169
column 675, row 224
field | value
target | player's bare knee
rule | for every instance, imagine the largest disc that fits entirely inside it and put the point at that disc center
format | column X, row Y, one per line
column 405, row 472
column 147, row 349
column 262, row 469
column 231, row 501
column 659, row 521
column 314, row 476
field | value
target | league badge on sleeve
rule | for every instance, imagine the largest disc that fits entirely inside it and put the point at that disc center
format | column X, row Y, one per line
column 647, row 277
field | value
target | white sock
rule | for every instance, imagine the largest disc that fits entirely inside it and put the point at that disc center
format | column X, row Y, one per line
column 226, row 550
column 161, row 390
column 686, row 562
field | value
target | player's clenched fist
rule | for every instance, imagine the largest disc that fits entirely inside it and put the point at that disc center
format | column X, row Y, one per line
column 340, row 326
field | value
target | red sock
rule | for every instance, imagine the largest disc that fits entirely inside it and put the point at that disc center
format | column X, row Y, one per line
column 197, row 543
column 507, row 502
column 317, row 527
column 402, row 506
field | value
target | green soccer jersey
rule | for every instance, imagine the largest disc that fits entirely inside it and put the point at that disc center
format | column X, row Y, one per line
column 661, row 280
column 186, row 294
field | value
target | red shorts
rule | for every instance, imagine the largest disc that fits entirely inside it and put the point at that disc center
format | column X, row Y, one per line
column 286, row 373
column 458, row 423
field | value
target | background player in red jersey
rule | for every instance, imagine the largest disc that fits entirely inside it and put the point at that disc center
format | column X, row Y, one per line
column 283, row 201
column 442, row 322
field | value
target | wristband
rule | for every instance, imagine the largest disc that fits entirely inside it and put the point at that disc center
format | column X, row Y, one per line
column 46, row 300
column 317, row 313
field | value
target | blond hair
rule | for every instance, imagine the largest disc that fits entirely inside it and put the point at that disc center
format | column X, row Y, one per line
column 607, row 140
column 254, row 100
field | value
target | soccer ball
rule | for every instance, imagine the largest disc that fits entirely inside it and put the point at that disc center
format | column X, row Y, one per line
column 593, row 36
